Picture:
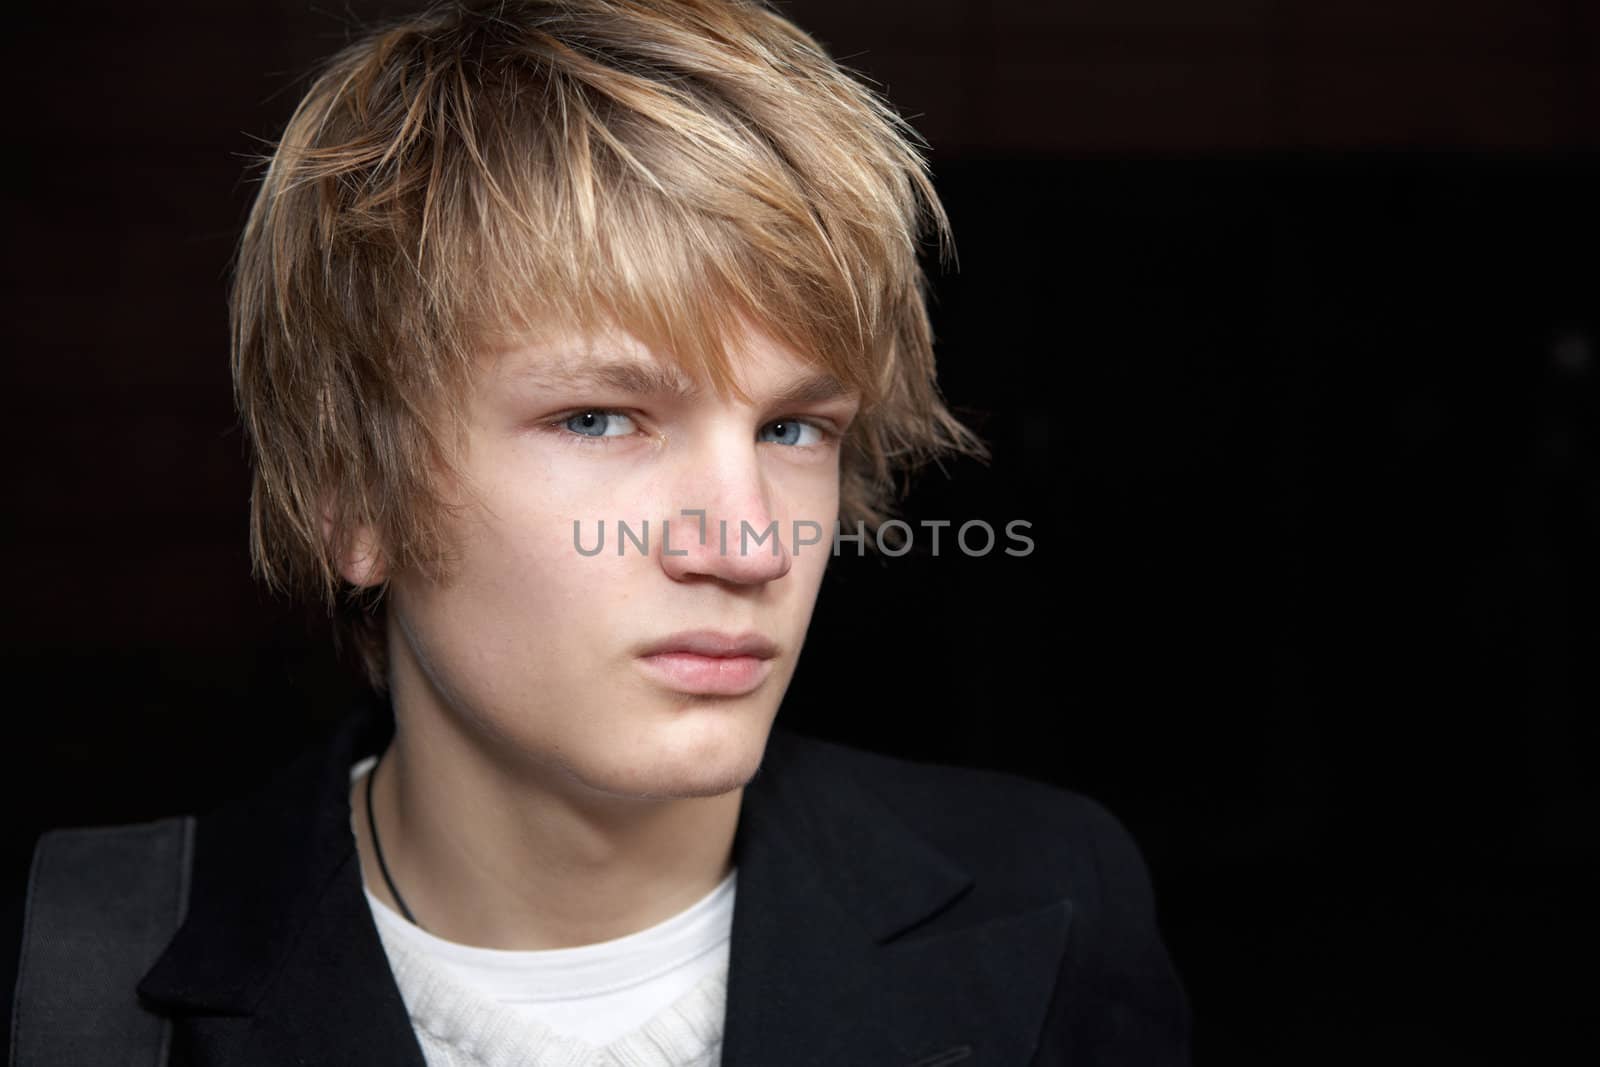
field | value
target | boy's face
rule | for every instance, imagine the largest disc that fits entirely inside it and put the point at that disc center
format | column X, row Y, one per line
column 577, row 664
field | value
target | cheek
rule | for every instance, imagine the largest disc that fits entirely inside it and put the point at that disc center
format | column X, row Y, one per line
column 533, row 496
column 528, row 561
column 521, row 611
column 806, row 490
column 511, row 553
column 812, row 499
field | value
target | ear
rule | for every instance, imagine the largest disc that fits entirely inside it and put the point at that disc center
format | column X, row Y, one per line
column 360, row 559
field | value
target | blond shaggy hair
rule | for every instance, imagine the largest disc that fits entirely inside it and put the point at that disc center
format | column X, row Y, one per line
column 478, row 173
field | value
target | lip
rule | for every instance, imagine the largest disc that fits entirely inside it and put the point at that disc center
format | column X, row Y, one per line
column 709, row 662
column 714, row 643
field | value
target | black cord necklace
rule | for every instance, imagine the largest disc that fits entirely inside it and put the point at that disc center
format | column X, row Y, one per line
column 377, row 849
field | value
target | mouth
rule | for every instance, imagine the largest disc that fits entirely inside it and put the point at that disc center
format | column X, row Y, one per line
column 710, row 663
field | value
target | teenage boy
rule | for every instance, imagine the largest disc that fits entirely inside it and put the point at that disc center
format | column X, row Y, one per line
column 519, row 273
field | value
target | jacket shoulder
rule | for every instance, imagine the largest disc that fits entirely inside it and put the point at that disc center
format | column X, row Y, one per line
column 1029, row 844
column 1020, row 836
column 118, row 890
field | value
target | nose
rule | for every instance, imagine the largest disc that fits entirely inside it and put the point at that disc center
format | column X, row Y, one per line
column 723, row 526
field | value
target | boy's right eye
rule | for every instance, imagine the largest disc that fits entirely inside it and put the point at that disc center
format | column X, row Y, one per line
column 599, row 424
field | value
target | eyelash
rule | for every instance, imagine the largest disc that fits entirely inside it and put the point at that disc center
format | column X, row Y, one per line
column 558, row 426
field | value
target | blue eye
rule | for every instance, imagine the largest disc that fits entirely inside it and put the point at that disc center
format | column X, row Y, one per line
column 791, row 432
column 599, row 424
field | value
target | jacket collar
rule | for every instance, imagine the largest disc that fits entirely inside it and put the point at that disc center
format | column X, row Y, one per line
column 280, row 951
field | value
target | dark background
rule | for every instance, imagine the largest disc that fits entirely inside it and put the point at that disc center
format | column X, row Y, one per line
column 1280, row 317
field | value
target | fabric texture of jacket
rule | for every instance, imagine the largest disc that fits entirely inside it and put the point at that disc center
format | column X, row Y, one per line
column 889, row 914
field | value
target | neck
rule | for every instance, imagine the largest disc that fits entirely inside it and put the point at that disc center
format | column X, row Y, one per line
column 496, row 853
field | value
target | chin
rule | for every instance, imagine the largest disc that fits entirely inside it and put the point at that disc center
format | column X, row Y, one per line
column 698, row 786
column 699, row 755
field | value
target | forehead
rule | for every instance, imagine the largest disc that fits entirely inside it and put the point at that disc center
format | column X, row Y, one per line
column 759, row 367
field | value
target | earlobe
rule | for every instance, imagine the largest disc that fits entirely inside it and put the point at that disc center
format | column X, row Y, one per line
column 362, row 565
column 360, row 558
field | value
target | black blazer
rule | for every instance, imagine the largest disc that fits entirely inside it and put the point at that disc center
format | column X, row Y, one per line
column 889, row 914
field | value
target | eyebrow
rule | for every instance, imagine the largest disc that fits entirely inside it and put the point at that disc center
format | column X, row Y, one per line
column 627, row 376
column 813, row 389
column 647, row 379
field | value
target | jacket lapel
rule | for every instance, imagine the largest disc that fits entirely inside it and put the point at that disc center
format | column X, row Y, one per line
column 279, row 959
column 849, row 945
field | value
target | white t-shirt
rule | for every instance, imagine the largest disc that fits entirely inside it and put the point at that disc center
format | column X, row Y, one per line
column 651, row 999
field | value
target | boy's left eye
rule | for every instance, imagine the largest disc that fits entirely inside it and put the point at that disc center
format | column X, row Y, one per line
column 790, row 432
